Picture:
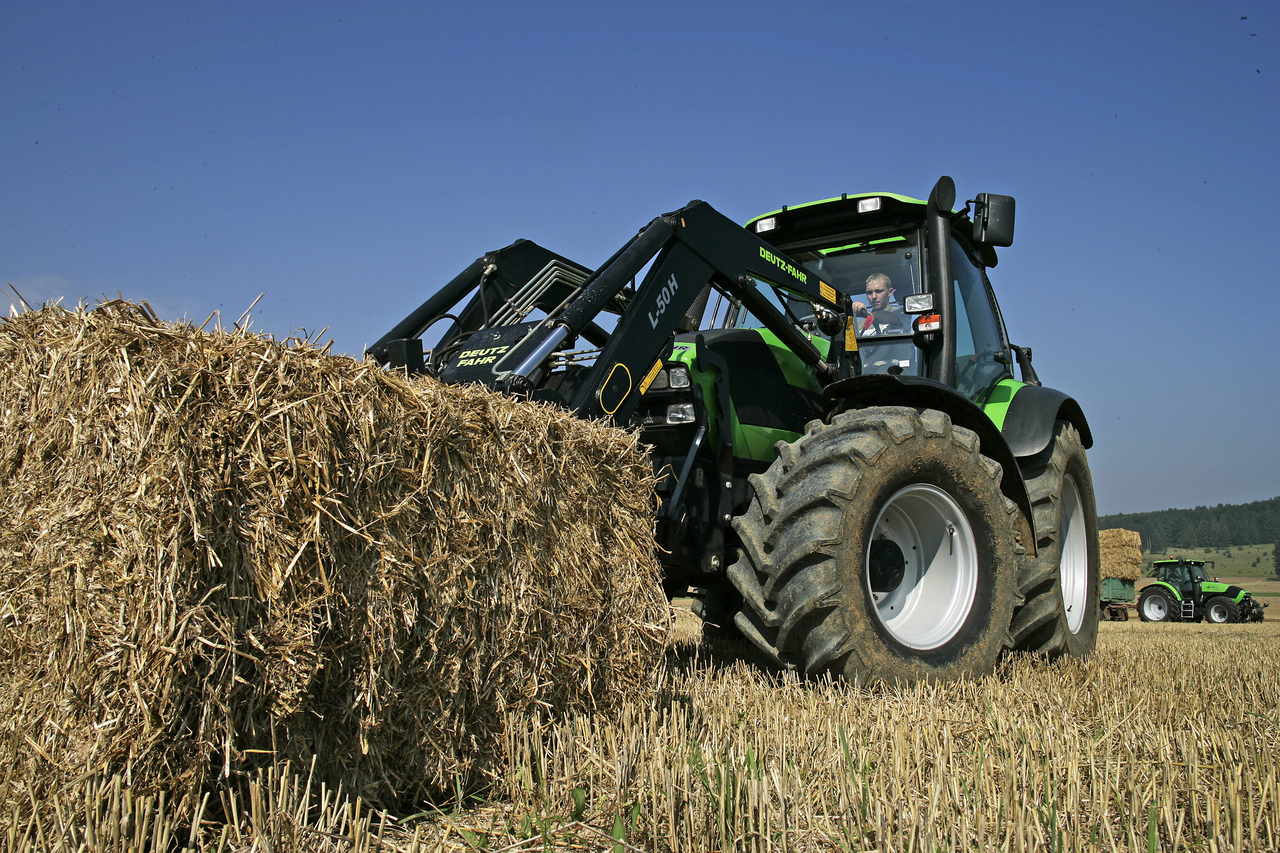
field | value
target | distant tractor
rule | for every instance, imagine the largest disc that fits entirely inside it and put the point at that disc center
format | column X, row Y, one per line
column 1183, row 592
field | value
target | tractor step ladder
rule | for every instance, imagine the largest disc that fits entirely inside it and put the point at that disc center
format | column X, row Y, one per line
column 1188, row 609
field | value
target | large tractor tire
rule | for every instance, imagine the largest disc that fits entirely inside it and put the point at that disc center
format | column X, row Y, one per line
column 1221, row 610
column 1157, row 605
column 1060, row 585
column 879, row 548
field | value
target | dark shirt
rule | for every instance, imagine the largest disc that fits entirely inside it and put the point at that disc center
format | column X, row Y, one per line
column 888, row 321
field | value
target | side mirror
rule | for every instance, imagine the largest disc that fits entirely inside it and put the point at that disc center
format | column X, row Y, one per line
column 993, row 219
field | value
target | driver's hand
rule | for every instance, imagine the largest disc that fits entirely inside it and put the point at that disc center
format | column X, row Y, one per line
column 859, row 308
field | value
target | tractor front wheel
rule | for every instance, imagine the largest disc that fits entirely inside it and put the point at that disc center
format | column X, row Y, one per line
column 879, row 548
column 1155, row 605
column 1221, row 610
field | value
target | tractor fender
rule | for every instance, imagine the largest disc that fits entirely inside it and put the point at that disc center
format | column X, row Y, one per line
column 922, row 393
column 1033, row 412
column 1172, row 590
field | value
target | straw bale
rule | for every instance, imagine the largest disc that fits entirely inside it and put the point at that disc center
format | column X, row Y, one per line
column 1121, row 554
column 217, row 550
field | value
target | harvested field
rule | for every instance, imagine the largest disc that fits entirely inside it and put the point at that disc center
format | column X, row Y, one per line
column 1158, row 742
column 219, row 553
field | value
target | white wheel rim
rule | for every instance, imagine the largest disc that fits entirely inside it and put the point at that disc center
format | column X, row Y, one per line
column 1073, row 567
column 1218, row 613
column 940, row 578
column 1155, row 608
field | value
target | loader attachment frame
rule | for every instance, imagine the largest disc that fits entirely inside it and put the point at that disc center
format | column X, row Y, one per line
column 687, row 254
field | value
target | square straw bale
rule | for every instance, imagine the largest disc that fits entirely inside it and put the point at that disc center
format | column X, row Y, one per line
column 217, row 551
column 1121, row 554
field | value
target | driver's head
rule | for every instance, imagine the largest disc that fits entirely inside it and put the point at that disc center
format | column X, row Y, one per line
column 879, row 289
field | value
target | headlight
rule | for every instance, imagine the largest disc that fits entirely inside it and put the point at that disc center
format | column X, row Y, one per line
column 676, row 376
column 680, row 413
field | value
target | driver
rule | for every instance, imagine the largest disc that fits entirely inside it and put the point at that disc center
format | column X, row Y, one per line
column 880, row 314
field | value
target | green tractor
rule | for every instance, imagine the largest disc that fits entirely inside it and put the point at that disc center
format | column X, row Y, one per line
column 1183, row 592
column 849, row 474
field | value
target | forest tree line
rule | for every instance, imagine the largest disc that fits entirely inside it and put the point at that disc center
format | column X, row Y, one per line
column 1221, row 526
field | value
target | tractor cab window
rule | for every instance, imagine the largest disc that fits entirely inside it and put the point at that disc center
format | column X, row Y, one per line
column 1197, row 573
column 980, row 349
column 877, row 272
column 796, row 310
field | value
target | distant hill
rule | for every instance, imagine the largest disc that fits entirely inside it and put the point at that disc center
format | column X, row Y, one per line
column 1220, row 526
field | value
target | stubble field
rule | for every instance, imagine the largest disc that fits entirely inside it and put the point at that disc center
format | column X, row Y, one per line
column 1167, row 738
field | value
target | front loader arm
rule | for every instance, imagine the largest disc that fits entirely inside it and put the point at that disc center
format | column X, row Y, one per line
column 692, row 249
column 687, row 254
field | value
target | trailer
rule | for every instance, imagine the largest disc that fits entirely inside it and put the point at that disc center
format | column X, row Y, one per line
column 1117, row 599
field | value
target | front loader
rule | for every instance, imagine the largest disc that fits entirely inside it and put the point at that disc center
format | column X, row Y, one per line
column 850, row 475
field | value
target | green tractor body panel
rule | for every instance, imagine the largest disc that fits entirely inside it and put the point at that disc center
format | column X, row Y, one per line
column 998, row 399
column 1230, row 591
column 778, row 373
column 756, row 441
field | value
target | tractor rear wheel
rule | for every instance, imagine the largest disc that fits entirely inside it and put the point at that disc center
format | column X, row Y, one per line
column 1221, row 610
column 1155, row 605
column 879, row 548
column 1060, row 584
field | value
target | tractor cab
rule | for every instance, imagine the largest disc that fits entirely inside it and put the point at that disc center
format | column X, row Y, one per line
column 875, row 252
column 1186, row 576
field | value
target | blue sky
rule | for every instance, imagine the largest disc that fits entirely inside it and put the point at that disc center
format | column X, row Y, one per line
column 346, row 160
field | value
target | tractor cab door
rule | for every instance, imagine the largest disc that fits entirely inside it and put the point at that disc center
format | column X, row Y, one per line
column 1196, row 576
column 1180, row 578
column 982, row 354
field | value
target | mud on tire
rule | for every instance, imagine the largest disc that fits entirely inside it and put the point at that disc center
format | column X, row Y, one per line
column 879, row 548
column 1060, row 584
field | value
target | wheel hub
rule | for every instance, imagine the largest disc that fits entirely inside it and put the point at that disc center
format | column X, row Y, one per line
column 922, row 567
column 887, row 564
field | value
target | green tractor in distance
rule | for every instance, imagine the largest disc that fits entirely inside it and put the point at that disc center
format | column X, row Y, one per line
column 1182, row 592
